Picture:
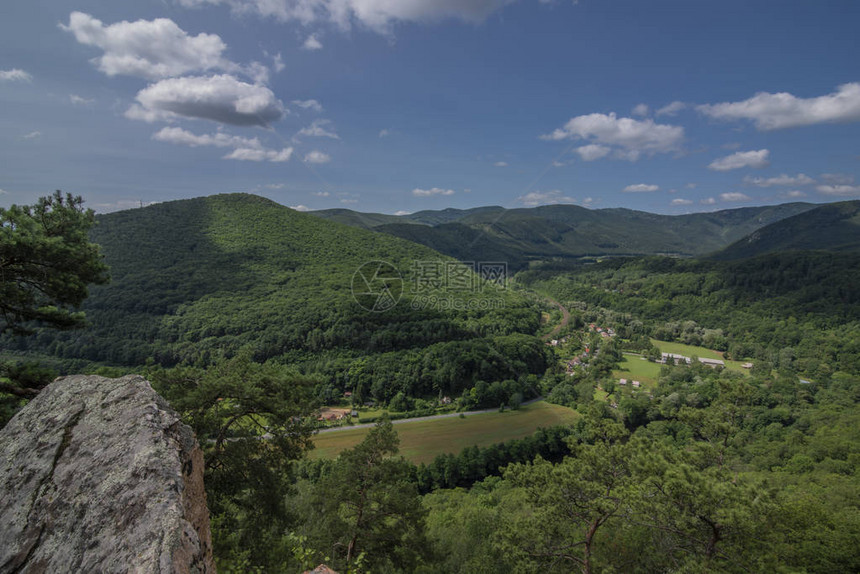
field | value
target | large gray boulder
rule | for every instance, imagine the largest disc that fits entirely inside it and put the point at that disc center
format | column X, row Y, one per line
column 100, row 475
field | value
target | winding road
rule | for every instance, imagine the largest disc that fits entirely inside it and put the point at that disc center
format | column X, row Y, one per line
column 565, row 319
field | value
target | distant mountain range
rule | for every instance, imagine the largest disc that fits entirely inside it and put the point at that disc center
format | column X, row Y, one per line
column 568, row 231
column 831, row 227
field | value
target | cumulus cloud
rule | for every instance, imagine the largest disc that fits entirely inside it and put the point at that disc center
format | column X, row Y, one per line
column 672, row 109
column 15, row 75
column 592, row 152
column 300, row 207
column 248, row 149
column 321, row 193
column 317, row 157
column 384, row 133
column 312, row 43
column 152, row 49
column 734, row 196
column 417, row 192
column 780, row 180
column 402, row 212
column 319, row 129
column 783, row 110
column 545, row 198
column 640, row 187
column 641, row 110
column 378, row 15
column 680, row 201
column 33, row 135
column 708, row 201
column 501, row 164
column 794, row 194
column 841, row 190
column 311, row 105
column 628, row 138
column 756, row 159
column 221, row 98
column 257, row 154
column 79, row 101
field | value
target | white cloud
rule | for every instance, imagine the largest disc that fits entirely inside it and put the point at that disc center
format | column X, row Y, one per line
column 794, row 194
column 300, row 207
column 248, row 149
column 222, row 99
column 317, row 157
column 780, row 180
column 349, row 201
column 384, row 133
column 641, row 110
column 544, row 198
column 319, row 129
column 708, row 201
column 3, row 192
column 837, row 178
column 321, row 193
column 402, row 212
column 278, row 63
column 680, row 201
column 151, row 49
column 734, row 196
column 756, row 159
column 378, row 15
column 839, row 189
column 312, row 43
column 183, row 137
column 15, row 75
column 691, row 185
column 672, row 109
column 592, row 152
column 784, row 110
column 79, row 101
column 33, row 135
column 501, row 164
column 629, row 138
column 255, row 154
column 432, row 191
column 640, row 187
column 312, row 105
column 275, row 185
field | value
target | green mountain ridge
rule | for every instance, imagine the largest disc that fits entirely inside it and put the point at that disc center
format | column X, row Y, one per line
column 194, row 280
column 831, row 227
column 521, row 235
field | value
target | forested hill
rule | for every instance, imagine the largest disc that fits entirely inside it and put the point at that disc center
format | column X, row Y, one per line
column 831, row 227
column 198, row 279
column 561, row 231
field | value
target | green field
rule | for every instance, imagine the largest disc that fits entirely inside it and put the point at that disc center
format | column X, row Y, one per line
column 422, row 441
column 635, row 368
column 701, row 352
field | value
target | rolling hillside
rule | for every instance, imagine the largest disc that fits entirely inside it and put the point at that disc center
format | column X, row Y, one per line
column 197, row 279
column 569, row 231
column 831, row 227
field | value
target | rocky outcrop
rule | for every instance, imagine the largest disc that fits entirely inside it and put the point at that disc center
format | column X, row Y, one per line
column 100, row 475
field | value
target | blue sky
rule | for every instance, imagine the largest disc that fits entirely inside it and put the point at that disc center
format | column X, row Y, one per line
column 402, row 105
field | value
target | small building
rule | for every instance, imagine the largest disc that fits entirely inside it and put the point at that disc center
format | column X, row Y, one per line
column 622, row 381
column 747, row 366
column 636, row 384
column 347, row 394
column 673, row 358
column 554, row 343
column 713, row 362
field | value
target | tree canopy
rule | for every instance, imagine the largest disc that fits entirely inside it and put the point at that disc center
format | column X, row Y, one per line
column 46, row 263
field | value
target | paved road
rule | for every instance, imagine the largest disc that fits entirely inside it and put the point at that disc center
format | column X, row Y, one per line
column 428, row 418
column 565, row 319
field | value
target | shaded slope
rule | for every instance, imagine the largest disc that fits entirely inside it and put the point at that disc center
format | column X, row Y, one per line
column 832, row 227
